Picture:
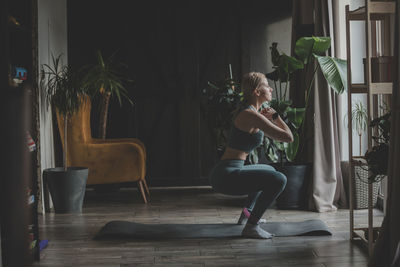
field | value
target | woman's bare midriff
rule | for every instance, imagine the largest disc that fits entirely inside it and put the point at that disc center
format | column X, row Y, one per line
column 231, row 153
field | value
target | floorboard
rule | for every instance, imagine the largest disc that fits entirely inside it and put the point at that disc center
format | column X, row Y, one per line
column 71, row 235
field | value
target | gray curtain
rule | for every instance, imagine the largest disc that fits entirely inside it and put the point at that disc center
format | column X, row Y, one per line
column 328, row 189
column 321, row 145
column 386, row 251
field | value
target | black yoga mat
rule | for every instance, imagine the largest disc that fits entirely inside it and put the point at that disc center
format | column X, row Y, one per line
column 132, row 230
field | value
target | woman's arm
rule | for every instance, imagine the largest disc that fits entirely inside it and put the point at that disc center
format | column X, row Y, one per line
column 274, row 117
column 277, row 129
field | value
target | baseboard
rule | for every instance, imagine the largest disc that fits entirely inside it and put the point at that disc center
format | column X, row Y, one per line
column 160, row 182
column 176, row 181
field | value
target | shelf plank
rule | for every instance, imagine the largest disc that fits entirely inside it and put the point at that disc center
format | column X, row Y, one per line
column 382, row 7
column 358, row 88
column 358, row 158
column 377, row 11
column 358, row 11
column 375, row 88
column 366, row 228
column 358, row 14
column 381, row 88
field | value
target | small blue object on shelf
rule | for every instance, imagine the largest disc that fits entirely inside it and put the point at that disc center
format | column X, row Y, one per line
column 16, row 76
column 43, row 244
column 20, row 73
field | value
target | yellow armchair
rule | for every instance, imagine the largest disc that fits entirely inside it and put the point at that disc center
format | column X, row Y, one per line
column 110, row 160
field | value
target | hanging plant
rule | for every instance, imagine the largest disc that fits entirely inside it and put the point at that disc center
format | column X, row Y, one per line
column 378, row 156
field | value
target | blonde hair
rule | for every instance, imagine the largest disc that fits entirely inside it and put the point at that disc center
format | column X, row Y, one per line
column 250, row 82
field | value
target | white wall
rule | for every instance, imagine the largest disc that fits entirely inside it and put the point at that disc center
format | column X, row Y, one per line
column 358, row 53
column 258, row 37
column 357, row 50
column 281, row 33
column 52, row 40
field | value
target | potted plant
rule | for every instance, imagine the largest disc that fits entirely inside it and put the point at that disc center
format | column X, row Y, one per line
column 105, row 80
column 372, row 168
column 284, row 154
column 64, row 93
column 220, row 101
column 359, row 117
column 378, row 156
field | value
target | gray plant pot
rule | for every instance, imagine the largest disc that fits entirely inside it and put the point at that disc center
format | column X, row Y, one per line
column 67, row 188
column 294, row 196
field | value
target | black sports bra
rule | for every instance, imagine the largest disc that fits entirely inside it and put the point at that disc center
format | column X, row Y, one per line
column 242, row 140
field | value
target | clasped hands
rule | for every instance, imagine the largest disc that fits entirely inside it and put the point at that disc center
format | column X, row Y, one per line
column 268, row 113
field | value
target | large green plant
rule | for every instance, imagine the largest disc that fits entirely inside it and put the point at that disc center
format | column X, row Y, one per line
column 63, row 88
column 307, row 51
column 105, row 79
column 220, row 101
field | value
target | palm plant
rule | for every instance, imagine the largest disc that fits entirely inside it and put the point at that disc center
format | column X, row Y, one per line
column 63, row 89
column 359, row 118
column 105, row 79
column 334, row 71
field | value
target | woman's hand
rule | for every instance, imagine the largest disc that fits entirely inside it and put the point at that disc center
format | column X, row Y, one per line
column 268, row 112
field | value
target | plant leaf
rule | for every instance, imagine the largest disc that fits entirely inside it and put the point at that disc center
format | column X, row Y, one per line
column 306, row 46
column 321, row 44
column 270, row 149
column 288, row 65
column 296, row 116
column 303, row 48
column 334, row 71
column 253, row 157
column 291, row 148
column 274, row 76
column 279, row 145
column 274, row 54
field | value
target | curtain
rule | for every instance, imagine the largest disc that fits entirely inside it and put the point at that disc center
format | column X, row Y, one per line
column 328, row 189
column 386, row 251
column 322, row 138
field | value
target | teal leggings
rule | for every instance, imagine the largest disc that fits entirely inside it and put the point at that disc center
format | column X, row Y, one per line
column 262, row 183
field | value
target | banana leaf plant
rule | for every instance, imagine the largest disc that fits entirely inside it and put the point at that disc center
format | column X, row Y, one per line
column 63, row 88
column 104, row 79
column 307, row 51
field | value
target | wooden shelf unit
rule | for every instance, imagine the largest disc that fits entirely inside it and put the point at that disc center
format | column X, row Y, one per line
column 372, row 11
column 19, row 190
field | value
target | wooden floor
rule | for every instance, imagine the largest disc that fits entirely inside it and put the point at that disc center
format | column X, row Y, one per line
column 71, row 236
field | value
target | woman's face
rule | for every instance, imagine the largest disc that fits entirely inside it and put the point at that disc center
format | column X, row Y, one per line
column 265, row 90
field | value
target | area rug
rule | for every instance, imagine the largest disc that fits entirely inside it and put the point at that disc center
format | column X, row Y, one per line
column 132, row 230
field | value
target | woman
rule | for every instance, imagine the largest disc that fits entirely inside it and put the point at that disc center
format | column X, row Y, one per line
column 260, row 182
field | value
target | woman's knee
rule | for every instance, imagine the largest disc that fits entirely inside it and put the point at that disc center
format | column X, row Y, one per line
column 267, row 167
column 280, row 180
column 272, row 168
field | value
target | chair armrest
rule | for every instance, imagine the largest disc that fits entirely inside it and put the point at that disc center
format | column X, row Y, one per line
column 122, row 140
column 107, row 150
